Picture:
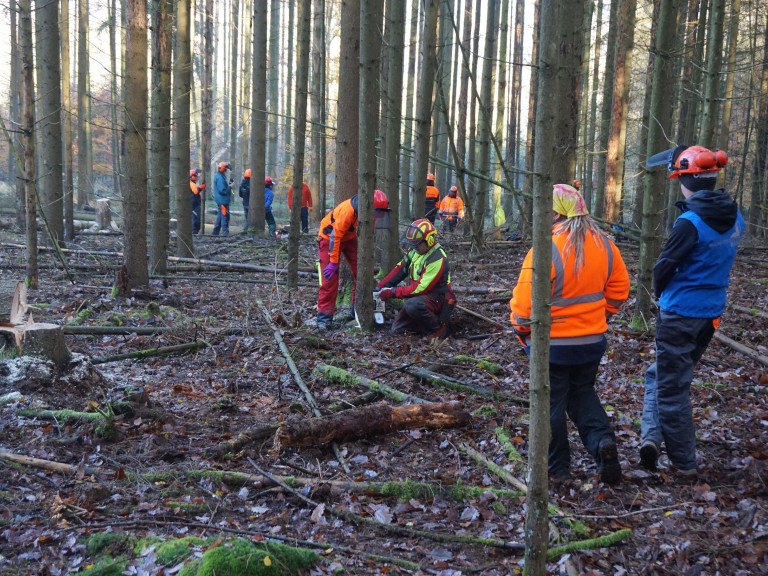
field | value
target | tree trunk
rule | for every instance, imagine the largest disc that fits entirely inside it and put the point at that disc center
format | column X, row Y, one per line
column 498, row 192
column 443, row 81
column 461, row 125
column 302, row 83
column 406, row 185
column 472, row 182
column 588, row 182
column 696, row 58
column 135, row 190
column 288, row 92
column 424, row 99
column 347, row 126
column 318, row 170
column 272, row 129
column 103, row 214
column 516, row 94
column 530, row 149
column 259, row 121
column 206, row 100
column 394, row 109
column 581, row 151
column 733, row 36
column 759, row 188
column 708, row 135
column 49, row 87
column 653, row 195
column 182, row 85
column 617, row 139
column 367, row 421
column 14, row 107
column 84, row 143
column 233, row 92
column 116, row 158
column 160, row 137
column 28, row 141
column 371, row 16
column 66, row 124
column 246, row 66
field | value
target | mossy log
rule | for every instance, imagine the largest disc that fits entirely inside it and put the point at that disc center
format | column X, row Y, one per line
column 141, row 354
column 454, row 384
column 50, row 465
column 590, row 544
column 341, row 376
column 62, row 415
column 366, row 421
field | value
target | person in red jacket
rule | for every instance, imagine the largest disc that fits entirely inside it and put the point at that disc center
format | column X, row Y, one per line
column 337, row 236
column 589, row 285
column 306, row 205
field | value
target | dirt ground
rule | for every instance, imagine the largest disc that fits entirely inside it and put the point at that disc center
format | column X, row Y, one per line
column 146, row 479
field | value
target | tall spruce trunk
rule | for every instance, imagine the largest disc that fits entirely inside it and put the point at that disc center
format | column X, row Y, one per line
column 182, row 85
column 135, row 189
column 733, row 36
column 14, row 108
column 84, row 142
column 116, row 157
column 259, row 120
column 407, row 185
column 233, row 92
column 66, row 122
column 319, row 148
column 347, row 129
column 587, row 183
column 273, row 81
column 711, row 107
column 28, row 140
column 49, row 87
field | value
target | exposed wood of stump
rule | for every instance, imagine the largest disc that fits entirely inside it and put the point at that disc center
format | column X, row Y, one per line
column 40, row 340
column 380, row 418
column 103, row 215
column 13, row 300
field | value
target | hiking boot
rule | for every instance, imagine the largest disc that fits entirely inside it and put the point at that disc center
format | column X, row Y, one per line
column 560, row 475
column 665, row 464
column 324, row 322
column 610, row 468
column 346, row 314
column 649, row 454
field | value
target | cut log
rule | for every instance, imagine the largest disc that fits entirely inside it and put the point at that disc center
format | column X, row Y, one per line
column 40, row 340
column 103, row 214
column 376, row 419
column 13, row 301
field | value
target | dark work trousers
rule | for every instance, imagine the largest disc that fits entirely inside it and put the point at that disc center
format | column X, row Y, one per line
column 246, row 207
column 305, row 219
column 196, row 206
column 573, row 393
column 667, row 411
column 430, row 209
column 420, row 314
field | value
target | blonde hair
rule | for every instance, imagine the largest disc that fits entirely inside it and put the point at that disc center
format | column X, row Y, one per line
column 577, row 228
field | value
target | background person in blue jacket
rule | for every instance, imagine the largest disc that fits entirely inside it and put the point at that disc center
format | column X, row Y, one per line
column 690, row 279
column 222, row 194
column 245, row 194
column 269, row 196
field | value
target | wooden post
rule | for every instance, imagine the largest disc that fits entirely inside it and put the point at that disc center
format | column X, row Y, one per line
column 103, row 215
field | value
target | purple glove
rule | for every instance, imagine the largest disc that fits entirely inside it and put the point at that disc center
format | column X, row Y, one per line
column 330, row 269
column 386, row 293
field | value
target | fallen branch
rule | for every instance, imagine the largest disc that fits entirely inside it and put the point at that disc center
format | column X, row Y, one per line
column 746, row 350
column 591, row 544
column 380, row 418
column 149, row 352
column 750, row 311
column 62, row 415
column 341, row 376
column 477, row 315
column 49, row 465
column 454, row 384
column 235, row 444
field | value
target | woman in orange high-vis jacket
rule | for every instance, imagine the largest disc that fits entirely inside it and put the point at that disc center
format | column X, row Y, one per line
column 589, row 284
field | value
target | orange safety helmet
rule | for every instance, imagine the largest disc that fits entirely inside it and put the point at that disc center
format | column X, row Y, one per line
column 698, row 160
column 224, row 166
column 247, row 173
column 453, row 189
column 421, row 230
column 193, row 173
column 430, row 177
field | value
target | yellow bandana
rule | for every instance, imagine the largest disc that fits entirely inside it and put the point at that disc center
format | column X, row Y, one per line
column 567, row 201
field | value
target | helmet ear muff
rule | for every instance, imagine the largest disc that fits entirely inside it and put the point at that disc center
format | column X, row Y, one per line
column 430, row 239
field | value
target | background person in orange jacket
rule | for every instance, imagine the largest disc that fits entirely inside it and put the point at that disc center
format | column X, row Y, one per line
column 589, row 284
column 451, row 209
column 306, row 205
column 195, row 190
column 431, row 200
column 337, row 236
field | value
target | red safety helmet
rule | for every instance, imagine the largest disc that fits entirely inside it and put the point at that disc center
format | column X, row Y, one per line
column 268, row 181
column 247, row 173
column 193, row 173
column 430, row 177
column 224, row 166
column 454, row 189
column 421, row 230
column 698, row 160
column 380, row 200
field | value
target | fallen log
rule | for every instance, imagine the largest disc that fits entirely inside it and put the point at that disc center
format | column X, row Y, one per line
column 750, row 311
column 454, row 384
column 380, row 418
column 141, row 354
column 49, row 465
column 746, row 350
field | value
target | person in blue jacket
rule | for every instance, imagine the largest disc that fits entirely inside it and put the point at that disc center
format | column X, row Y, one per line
column 269, row 196
column 690, row 279
column 245, row 194
column 222, row 194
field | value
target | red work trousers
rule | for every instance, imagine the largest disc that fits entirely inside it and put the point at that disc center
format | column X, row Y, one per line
column 329, row 287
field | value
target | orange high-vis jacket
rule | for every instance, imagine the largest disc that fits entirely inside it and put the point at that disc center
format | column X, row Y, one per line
column 580, row 300
column 338, row 226
column 451, row 207
column 306, row 196
column 193, row 187
column 433, row 193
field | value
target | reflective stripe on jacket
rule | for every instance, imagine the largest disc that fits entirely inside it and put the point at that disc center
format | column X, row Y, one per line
column 452, row 207
column 580, row 300
column 337, row 226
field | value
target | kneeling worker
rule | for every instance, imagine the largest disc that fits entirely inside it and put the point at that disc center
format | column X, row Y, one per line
column 428, row 296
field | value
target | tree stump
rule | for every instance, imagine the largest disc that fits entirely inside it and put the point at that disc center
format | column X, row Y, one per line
column 40, row 340
column 103, row 215
column 13, row 301
column 376, row 419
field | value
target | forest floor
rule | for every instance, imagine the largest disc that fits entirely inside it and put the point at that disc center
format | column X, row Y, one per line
column 150, row 478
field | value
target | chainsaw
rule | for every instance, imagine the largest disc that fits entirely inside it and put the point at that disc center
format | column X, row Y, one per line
column 379, row 307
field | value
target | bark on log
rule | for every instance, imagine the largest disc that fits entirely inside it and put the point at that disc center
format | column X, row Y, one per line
column 746, row 350
column 372, row 420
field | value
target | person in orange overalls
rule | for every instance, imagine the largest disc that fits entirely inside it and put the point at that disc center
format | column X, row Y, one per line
column 589, row 284
column 306, row 205
column 337, row 236
column 451, row 209
column 195, row 189
column 432, row 199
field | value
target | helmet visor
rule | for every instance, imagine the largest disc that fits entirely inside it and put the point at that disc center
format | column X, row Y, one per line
column 381, row 219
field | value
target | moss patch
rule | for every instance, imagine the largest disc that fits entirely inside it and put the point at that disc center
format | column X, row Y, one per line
column 115, row 542
column 408, row 490
column 106, row 567
column 245, row 558
column 174, row 551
